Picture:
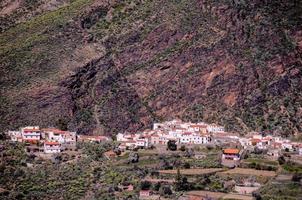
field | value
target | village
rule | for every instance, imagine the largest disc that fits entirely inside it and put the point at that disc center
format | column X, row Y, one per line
column 239, row 165
column 192, row 134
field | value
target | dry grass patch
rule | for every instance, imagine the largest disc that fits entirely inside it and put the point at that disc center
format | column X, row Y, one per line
column 193, row 171
column 246, row 171
column 202, row 193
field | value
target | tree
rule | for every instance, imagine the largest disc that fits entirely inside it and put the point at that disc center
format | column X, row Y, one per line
column 258, row 151
column 178, row 179
column 62, row 124
column 117, row 151
column 181, row 183
column 256, row 195
column 297, row 177
column 182, row 148
column 281, row 160
column 2, row 136
column 164, row 164
column 145, row 185
column 171, row 145
column 133, row 157
column 189, row 153
column 56, row 158
column 187, row 165
column 165, row 190
column 157, row 186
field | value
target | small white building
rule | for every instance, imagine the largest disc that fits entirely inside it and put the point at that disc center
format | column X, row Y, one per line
column 287, row 145
column 31, row 134
column 120, row 137
column 63, row 137
column 154, row 139
column 244, row 142
column 52, row 147
column 15, row 136
column 157, row 126
column 274, row 153
column 186, row 138
column 198, row 128
column 141, row 143
column 213, row 128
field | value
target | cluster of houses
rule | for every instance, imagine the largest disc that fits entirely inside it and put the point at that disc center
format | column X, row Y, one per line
column 203, row 133
column 50, row 140
column 187, row 133
column 176, row 130
column 184, row 133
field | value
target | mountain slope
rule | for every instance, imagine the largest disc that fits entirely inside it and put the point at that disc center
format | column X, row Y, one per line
column 109, row 67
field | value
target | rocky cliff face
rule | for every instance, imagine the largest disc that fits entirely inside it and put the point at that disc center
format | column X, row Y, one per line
column 109, row 66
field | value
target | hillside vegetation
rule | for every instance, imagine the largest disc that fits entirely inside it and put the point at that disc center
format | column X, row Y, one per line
column 111, row 66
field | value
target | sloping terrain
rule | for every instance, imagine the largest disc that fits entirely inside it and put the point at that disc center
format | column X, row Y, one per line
column 109, row 66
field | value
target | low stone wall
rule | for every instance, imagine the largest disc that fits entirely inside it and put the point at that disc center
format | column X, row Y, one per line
column 245, row 189
column 230, row 163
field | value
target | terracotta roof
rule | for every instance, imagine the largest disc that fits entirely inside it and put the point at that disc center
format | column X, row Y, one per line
column 51, row 143
column 276, row 144
column 198, row 126
column 55, row 130
column 231, row 151
column 31, row 139
column 31, row 130
column 256, row 140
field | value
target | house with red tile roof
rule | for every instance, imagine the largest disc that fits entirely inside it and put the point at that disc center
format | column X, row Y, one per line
column 31, row 134
column 230, row 157
column 54, row 134
column 52, row 147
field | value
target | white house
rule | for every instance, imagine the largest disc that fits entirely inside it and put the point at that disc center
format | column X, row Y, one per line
column 31, row 134
column 157, row 126
column 120, row 137
column 155, row 139
column 287, row 145
column 130, row 144
column 52, row 147
column 274, row 153
column 140, row 143
column 213, row 128
column 15, row 136
column 198, row 128
column 186, row 138
column 63, row 137
column 257, row 136
column 244, row 142
column 175, row 133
